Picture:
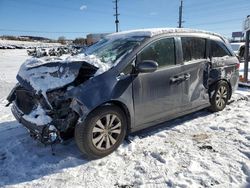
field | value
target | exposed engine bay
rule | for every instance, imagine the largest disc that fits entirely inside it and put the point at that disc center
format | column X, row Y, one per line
column 48, row 114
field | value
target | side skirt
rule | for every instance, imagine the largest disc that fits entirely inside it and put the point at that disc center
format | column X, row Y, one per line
column 180, row 114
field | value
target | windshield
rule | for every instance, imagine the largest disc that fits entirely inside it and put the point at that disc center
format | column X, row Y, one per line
column 110, row 50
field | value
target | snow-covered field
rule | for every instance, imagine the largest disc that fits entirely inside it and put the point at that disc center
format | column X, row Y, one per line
column 26, row 44
column 200, row 150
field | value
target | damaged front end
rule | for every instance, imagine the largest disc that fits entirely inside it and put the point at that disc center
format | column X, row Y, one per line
column 28, row 109
column 49, row 115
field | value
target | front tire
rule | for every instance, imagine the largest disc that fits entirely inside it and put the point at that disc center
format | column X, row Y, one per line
column 220, row 94
column 102, row 132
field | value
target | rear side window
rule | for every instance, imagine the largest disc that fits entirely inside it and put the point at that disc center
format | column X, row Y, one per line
column 218, row 49
column 161, row 51
column 193, row 48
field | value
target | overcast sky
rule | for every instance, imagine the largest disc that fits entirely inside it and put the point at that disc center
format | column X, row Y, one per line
column 76, row 18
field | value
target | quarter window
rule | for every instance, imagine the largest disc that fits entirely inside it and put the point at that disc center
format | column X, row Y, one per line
column 129, row 68
column 193, row 48
column 161, row 51
column 218, row 49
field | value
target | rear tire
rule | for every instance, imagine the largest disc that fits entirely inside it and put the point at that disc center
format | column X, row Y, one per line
column 102, row 132
column 220, row 93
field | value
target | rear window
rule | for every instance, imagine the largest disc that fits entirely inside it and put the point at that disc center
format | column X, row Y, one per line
column 193, row 48
column 218, row 49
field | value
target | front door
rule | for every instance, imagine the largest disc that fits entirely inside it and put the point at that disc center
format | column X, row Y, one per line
column 158, row 95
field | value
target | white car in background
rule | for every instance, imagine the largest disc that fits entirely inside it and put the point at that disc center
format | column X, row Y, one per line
column 237, row 46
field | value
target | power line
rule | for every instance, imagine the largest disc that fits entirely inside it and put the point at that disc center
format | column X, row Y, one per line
column 216, row 4
column 89, row 9
column 116, row 15
column 36, row 31
column 217, row 10
column 218, row 22
column 60, row 7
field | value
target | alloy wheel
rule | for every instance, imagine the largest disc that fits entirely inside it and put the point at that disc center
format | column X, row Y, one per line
column 221, row 96
column 106, row 132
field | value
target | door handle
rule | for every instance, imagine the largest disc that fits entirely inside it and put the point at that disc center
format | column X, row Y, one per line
column 187, row 76
column 177, row 79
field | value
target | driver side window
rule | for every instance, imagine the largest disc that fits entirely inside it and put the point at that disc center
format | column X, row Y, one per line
column 161, row 51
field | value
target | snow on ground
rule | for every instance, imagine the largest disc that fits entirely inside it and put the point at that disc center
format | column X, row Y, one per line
column 27, row 44
column 200, row 150
column 10, row 61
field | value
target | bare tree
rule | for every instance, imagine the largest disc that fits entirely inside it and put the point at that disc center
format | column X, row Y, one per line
column 79, row 41
column 62, row 40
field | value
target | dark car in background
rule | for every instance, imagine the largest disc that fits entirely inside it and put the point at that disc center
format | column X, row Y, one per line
column 126, row 82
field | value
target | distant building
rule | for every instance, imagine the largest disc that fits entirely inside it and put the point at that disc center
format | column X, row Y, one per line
column 237, row 36
column 93, row 38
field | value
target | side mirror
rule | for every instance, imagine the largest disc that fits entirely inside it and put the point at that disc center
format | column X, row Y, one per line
column 147, row 66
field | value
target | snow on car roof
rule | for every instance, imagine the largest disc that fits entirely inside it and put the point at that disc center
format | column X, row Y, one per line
column 157, row 31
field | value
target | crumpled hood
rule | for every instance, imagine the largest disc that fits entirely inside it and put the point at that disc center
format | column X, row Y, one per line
column 44, row 74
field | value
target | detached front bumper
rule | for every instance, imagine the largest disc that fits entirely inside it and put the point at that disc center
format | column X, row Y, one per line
column 46, row 134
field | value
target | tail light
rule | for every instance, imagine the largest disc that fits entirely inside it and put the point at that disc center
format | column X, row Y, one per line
column 238, row 66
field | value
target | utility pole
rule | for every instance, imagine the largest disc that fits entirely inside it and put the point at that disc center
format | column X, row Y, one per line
column 180, row 14
column 247, row 29
column 246, row 56
column 116, row 15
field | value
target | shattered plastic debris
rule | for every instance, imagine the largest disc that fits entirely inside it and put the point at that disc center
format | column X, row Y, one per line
column 38, row 116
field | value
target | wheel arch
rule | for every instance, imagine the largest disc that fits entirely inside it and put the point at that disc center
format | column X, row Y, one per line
column 123, row 107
